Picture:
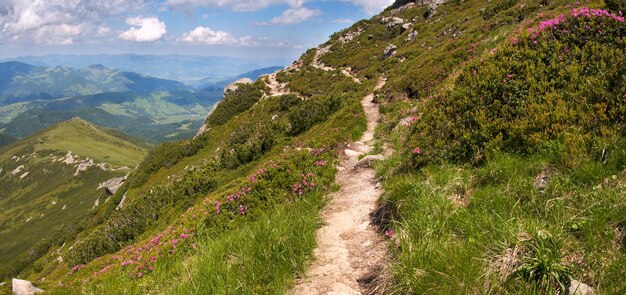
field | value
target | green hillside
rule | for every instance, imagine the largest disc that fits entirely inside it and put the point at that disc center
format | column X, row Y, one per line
column 22, row 82
column 505, row 125
column 155, row 117
column 45, row 196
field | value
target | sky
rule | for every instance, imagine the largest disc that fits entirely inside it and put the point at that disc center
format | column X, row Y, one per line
column 238, row 28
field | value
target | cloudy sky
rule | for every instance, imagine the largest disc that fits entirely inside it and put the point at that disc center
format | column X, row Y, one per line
column 241, row 28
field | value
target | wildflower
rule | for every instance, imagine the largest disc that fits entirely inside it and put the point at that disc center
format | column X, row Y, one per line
column 184, row 236
column 139, row 274
column 217, row 207
column 243, row 209
column 417, row 151
column 389, row 233
column 515, row 40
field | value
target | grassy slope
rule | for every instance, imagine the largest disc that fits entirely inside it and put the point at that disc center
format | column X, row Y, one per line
column 47, row 203
column 155, row 117
column 290, row 222
column 454, row 223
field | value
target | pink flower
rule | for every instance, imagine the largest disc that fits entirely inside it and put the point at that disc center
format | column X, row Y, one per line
column 389, row 233
column 217, row 207
column 417, row 151
column 243, row 209
column 139, row 274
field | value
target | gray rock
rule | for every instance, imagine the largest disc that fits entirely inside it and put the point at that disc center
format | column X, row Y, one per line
column 112, row 185
column 578, row 288
column 23, row 287
column 542, row 180
column 368, row 161
column 235, row 85
column 390, row 51
column 412, row 35
column 392, row 21
column 352, row 153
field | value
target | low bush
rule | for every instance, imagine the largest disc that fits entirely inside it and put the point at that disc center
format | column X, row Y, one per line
column 560, row 87
column 311, row 112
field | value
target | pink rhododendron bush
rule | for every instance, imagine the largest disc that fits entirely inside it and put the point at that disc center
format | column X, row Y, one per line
column 558, row 86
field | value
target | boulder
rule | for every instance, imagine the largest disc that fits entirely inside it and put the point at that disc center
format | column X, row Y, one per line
column 412, row 35
column 112, row 185
column 368, row 160
column 390, row 51
column 23, row 287
column 69, row 158
column 235, row 85
column 83, row 166
column 392, row 21
column 578, row 288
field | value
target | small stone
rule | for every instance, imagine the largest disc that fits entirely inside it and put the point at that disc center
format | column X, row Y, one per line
column 352, row 153
column 23, row 287
column 578, row 288
column 390, row 51
column 368, row 161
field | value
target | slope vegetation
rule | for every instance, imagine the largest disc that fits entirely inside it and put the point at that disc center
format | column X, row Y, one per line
column 51, row 181
column 506, row 119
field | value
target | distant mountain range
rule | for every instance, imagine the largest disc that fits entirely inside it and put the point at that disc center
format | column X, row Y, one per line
column 24, row 82
column 153, row 109
column 192, row 70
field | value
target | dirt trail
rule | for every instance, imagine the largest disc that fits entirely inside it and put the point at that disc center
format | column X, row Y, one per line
column 317, row 64
column 348, row 245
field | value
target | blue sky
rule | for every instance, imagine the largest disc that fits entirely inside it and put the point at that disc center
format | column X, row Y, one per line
column 240, row 28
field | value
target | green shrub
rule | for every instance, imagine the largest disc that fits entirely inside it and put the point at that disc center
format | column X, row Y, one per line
column 543, row 268
column 311, row 112
column 289, row 101
column 235, row 103
column 563, row 85
column 616, row 5
column 248, row 143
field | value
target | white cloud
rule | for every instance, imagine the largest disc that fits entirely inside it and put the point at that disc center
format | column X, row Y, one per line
column 236, row 5
column 371, row 7
column 296, row 15
column 147, row 29
column 57, row 21
column 207, row 36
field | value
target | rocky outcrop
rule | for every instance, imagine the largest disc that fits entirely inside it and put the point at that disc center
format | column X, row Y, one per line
column 412, row 35
column 83, row 166
column 17, row 170
column 121, row 204
column 69, row 158
column 349, row 36
column 401, row 5
column 23, row 287
column 112, row 185
column 235, row 85
column 390, row 51
column 392, row 21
